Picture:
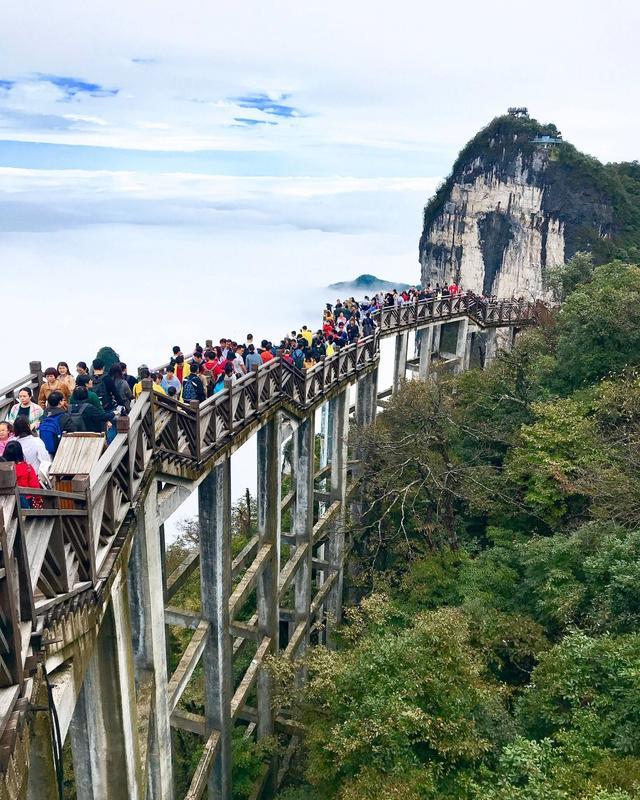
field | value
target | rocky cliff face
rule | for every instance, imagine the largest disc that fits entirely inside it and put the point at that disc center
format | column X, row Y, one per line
column 513, row 207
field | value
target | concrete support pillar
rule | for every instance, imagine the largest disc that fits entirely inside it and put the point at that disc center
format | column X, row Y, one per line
column 149, row 642
column 269, row 525
column 42, row 780
column 104, row 726
column 504, row 339
column 366, row 392
column 339, row 435
column 462, row 346
column 426, row 346
column 303, row 456
column 400, row 360
column 326, row 454
column 214, row 514
column 490, row 347
column 437, row 336
column 373, row 388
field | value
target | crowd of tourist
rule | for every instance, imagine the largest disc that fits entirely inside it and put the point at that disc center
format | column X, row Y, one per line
column 91, row 399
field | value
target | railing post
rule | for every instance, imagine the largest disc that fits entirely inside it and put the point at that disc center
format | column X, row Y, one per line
column 259, row 374
column 35, row 368
column 194, row 405
column 81, row 484
column 228, row 385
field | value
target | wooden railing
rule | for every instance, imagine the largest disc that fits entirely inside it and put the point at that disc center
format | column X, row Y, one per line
column 486, row 313
column 69, row 543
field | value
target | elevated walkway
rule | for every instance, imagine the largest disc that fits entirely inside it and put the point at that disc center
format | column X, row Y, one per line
column 93, row 557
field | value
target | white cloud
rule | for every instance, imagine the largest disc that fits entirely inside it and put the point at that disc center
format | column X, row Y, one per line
column 399, row 76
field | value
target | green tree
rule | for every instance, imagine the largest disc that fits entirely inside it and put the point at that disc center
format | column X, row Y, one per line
column 589, row 578
column 591, row 685
column 109, row 356
column 403, row 704
column 564, row 279
column 599, row 326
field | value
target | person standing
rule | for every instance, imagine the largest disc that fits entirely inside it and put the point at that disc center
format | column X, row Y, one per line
column 103, row 386
column 6, row 435
column 192, row 387
column 368, row 325
column 26, row 475
column 53, row 423
column 25, row 407
column 94, row 419
column 64, row 376
column 169, row 379
column 52, row 384
column 238, row 362
column 35, row 453
column 252, row 358
column 122, row 390
column 92, row 397
column 157, row 379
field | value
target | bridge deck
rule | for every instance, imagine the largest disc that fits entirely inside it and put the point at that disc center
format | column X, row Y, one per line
column 59, row 560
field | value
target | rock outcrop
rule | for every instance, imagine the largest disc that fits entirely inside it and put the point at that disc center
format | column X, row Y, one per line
column 518, row 201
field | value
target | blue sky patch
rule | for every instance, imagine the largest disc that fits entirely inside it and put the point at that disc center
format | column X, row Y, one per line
column 262, row 102
column 75, row 86
column 7, row 85
column 144, row 60
column 251, row 122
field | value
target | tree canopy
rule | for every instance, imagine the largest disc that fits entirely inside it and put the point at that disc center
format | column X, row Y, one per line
column 495, row 647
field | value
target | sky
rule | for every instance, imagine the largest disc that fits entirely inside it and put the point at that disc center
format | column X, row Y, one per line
column 175, row 172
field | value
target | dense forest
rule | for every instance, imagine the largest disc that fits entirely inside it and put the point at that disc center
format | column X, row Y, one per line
column 494, row 648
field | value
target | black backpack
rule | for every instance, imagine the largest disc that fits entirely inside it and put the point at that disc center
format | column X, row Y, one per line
column 104, row 388
column 189, row 389
column 76, row 420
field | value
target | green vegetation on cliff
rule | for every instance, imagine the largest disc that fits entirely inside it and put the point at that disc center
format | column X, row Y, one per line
column 598, row 203
column 495, row 650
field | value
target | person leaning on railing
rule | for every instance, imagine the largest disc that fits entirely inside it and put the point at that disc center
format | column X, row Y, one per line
column 25, row 407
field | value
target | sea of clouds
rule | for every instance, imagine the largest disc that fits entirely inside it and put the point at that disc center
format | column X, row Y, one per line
column 145, row 261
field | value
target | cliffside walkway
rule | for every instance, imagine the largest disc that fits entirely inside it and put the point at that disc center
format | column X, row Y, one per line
column 84, row 594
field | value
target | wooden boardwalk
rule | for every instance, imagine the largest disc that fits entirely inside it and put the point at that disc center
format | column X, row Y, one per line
column 84, row 576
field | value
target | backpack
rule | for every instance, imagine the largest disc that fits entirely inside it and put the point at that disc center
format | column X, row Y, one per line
column 189, row 390
column 50, row 431
column 298, row 358
column 76, row 420
column 103, row 388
